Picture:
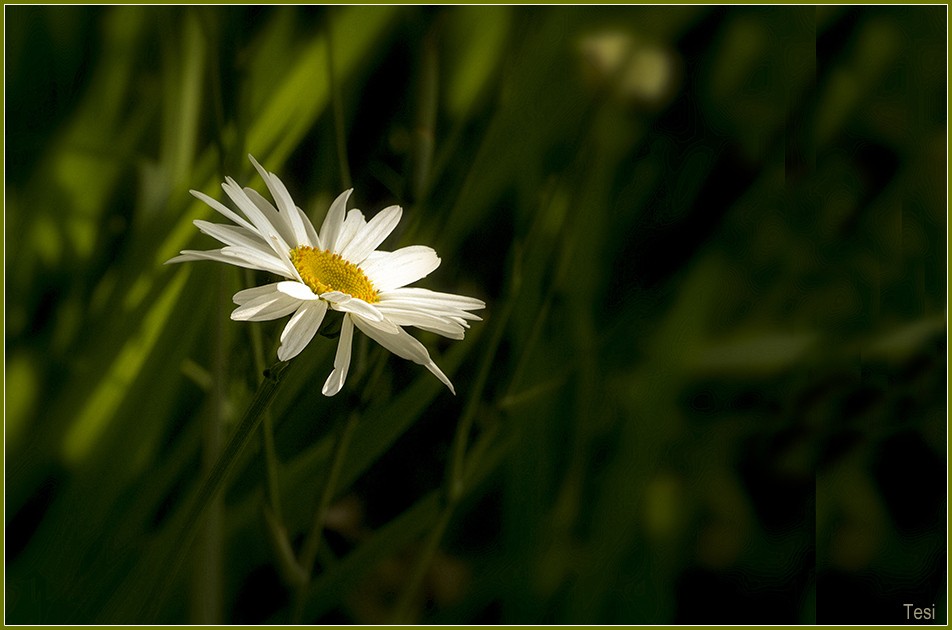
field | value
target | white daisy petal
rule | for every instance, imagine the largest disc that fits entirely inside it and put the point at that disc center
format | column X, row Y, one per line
column 384, row 326
column 334, row 220
column 392, row 270
column 222, row 209
column 220, row 255
column 233, row 235
column 422, row 319
column 405, row 346
column 285, row 258
column 258, row 218
column 297, row 290
column 373, row 234
column 446, row 313
column 444, row 306
column 285, row 203
column 256, row 259
column 357, row 307
column 312, row 236
column 190, row 255
column 301, row 329
column 335, row 296
column 246, row 295
column 274, row 217
column 353, row 224
column 335, row 380
column 458, row 336
column 433, row 299
column 438, row 373
column 266, row 307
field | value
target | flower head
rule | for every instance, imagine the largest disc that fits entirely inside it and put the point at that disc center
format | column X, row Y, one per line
column 339, row 268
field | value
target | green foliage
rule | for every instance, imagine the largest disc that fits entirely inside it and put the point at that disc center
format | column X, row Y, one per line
column 709, row 386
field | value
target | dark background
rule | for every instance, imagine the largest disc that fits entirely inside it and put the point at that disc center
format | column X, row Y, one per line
column 710, row 386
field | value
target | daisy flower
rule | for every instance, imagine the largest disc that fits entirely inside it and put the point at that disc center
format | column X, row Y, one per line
column 338, row 268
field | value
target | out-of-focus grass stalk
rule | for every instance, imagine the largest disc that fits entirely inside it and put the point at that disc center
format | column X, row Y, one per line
column 182, row 114
column 521, row 366
column 461, row 439
column 211, row 29
column 340, row 131
column 313, row 540
column 402, row 610
column 458, row 465
column 427, row 103
column 271, row 465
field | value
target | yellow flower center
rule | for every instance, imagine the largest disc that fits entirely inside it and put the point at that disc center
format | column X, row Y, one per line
column 323, row 271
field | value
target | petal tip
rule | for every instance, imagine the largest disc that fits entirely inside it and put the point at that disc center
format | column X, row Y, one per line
column 332, row 385
column 261, row 170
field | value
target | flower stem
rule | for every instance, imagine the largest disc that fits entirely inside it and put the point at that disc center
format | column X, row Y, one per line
column 213, row 483
column 313, row 540
column 272, row 484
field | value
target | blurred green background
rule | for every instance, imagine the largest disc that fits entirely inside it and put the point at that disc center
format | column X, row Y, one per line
column 710, row 385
